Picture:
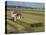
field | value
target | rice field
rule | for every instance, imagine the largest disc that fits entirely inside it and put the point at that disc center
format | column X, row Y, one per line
column 32, row 21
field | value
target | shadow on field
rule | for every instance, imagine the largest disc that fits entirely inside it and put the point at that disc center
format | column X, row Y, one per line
column 37, row 24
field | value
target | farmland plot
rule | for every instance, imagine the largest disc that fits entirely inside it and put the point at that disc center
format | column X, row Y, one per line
column 32, row 21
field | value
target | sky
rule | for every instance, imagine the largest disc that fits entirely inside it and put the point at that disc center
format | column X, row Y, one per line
column 25, row 4
column 40, row 1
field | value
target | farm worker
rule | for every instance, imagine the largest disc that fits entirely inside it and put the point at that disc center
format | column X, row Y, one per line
column 14, row 17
